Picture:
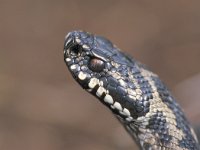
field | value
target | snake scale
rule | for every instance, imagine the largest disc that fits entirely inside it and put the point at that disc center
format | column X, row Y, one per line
column 137, row 97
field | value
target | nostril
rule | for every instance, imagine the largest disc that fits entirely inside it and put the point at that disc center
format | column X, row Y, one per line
column 75, row 49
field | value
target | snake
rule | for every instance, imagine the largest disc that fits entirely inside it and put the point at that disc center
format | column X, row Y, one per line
column 135, row 95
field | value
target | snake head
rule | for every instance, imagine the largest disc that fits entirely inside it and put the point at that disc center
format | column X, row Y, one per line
column 103, row 70
column 81, row 58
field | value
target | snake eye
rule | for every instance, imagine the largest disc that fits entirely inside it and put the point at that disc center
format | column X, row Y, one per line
column 96, row 65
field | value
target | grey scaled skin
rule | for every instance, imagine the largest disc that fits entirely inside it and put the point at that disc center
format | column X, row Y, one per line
column 137, row 97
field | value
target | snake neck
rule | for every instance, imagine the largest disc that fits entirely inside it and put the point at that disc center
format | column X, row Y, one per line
column 157, row 135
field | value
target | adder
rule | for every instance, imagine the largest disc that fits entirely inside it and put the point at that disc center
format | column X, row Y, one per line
column 135, row 95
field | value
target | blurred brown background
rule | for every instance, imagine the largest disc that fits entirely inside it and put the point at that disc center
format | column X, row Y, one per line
column 43, row 108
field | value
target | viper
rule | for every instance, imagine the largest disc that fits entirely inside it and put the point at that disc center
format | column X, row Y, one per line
column 135, row 95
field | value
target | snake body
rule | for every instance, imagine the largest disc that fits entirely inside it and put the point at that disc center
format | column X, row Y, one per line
column 137, row 97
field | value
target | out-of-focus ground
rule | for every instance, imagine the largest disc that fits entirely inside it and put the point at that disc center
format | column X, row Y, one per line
column 42, row 108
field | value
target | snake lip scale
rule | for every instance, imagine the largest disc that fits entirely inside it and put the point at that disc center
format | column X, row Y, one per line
column 135, row 95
